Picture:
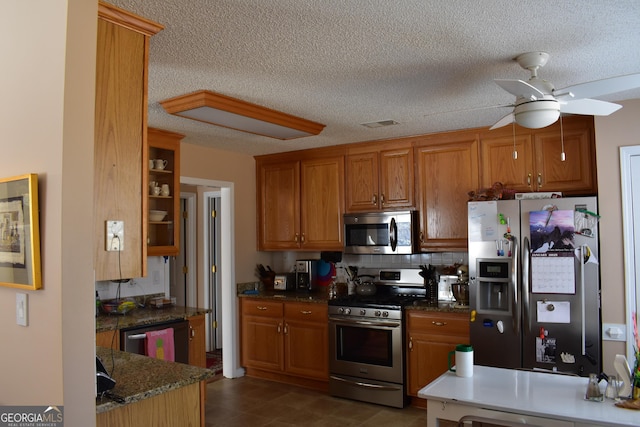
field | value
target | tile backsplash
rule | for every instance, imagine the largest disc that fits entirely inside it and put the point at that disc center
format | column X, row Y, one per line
column 156, row 282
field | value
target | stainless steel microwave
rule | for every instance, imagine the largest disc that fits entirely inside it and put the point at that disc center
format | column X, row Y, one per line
column 381, row 233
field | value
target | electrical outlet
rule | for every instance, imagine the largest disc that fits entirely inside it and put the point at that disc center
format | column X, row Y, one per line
column 114, row 236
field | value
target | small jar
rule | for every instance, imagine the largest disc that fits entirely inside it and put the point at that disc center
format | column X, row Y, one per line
column 593, row 389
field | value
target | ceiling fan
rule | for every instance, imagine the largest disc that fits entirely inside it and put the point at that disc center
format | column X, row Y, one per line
column 539, row 104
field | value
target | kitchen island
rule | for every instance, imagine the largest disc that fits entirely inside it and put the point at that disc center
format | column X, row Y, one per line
column 151, row 392
column 514, row 397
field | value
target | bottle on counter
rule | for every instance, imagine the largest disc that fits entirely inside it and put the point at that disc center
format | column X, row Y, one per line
column 593, row 389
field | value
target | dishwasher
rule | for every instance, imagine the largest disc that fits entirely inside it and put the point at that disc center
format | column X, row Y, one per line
column 133, row 340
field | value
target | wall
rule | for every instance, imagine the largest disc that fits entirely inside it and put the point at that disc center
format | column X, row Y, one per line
column 156, row 282
column 620, row 129
column 47, row 81
column 208, row 163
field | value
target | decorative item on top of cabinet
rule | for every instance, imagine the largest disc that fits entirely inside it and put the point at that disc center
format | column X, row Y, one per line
column 538, row 165
column 164, row 192
column 430, row 338
column 447, row 168
column 286, row 341
column 120, row 139
column 300, row 200
column 379, row 176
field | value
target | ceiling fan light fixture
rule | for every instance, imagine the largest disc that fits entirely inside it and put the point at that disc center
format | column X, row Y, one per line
column 537, row 114
column 221, row 110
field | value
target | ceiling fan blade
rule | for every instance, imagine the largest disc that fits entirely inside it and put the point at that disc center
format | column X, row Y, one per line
column 601, row 87
column 590, row 107
column 506, row 120
column 519, row 88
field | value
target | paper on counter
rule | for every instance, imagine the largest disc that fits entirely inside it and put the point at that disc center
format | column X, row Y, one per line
column 554, row 312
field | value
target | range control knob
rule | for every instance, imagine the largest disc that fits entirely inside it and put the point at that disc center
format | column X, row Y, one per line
column 377, row 313
column 385, row 314
column 363, row 312
column 347, row 311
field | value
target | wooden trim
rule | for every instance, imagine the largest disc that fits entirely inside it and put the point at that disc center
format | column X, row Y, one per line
column 123, row 18
column 205, row 98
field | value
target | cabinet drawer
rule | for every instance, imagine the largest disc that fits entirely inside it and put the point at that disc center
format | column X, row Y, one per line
column 306, row 312
column 439, row 323
column 261, row 307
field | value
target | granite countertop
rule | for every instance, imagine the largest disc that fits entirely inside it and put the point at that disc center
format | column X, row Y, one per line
column 317, row 297
column 322, row 297
column 140, row 377
column 146, row 316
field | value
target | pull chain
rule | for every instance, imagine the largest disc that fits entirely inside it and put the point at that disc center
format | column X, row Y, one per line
column 515, row 152
column 563, row 157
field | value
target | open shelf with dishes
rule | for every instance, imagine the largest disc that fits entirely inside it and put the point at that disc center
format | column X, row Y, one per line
column 163, row 200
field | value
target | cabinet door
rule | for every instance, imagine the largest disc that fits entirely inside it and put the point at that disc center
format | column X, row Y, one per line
column 446, row 173
column 430, row 338
column 262, row 343
column 322, row 203
column 197, row 342
column 362, row 192
column 498, row 164
column 306, row 340
column 279, row 206
column 573, row 175
column 396, row 178
column 119, row 125
column 108, row 339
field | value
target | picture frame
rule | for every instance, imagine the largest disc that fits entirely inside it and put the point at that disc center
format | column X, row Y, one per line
column 20, row 232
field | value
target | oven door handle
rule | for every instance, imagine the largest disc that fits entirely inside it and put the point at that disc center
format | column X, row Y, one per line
column 349, row 322
column 136, row 336
column 365, row 385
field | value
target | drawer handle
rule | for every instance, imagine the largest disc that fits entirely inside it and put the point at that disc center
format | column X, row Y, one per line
column 261, row 307
column 439, row 323
column 306, row 311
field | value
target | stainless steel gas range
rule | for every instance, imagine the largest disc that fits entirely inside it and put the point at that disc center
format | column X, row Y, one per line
column 366, row 338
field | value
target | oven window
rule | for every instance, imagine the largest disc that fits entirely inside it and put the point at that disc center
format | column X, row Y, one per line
column 367, row 235
column 364, row 345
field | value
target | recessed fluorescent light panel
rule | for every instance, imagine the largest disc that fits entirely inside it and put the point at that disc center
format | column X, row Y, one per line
column 221, row 110
column 381, row 123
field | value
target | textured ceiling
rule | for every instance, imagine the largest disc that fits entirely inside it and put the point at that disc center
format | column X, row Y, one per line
column 347, row 62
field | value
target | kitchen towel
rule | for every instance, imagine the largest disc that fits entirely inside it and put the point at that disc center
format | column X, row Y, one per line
column 160, row 344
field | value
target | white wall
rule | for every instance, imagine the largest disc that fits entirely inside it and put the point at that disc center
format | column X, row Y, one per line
column 156, row 282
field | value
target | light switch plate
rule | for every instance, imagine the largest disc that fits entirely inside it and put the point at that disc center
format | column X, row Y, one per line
column 22, row 309
column 114, row 240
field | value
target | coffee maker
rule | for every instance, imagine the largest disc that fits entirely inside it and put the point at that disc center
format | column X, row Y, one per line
column 306, row 272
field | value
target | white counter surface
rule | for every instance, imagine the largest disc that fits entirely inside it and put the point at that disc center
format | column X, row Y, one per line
column 553, row 396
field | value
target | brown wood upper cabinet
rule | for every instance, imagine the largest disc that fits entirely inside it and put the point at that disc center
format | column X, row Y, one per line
column 163, row 235
column 300, row 200
column 120, row 138
column 379, row 177
column 538, row 165
column 447, row 169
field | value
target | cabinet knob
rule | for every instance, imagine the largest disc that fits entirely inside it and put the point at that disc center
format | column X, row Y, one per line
column 382, row 199
column 305, row 312
column 302, row 238
column 540, row 180
column 374, row 199
column 279, row 327
column 261, row 307
column 439, row 323
column 410, row 343
column 529, row 180
column 295, row 237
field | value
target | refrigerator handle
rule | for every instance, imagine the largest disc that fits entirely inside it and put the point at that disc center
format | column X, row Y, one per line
column 582, row 296
column 515, row 305
column 526, row 265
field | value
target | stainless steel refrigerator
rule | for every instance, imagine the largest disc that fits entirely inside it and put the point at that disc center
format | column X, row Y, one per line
column 534, row 284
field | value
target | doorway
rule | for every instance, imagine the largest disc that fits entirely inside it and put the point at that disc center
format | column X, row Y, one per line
column 228, row 310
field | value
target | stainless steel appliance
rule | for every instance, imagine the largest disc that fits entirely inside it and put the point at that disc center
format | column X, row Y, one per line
column 534, row 284
column 381, row 233
column 133, row 340
column 366, row 339
column 312, row 273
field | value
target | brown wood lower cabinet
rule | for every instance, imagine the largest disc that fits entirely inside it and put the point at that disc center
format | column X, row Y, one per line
column 430, row 338
column 197, row 342
column 285, row 341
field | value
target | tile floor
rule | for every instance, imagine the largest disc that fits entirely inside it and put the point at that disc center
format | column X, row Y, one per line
column 252, row 402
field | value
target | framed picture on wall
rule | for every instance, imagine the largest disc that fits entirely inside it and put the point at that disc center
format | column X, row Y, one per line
column 20, row 232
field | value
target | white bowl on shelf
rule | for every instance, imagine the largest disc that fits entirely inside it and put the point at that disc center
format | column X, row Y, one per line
column 157, row 216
